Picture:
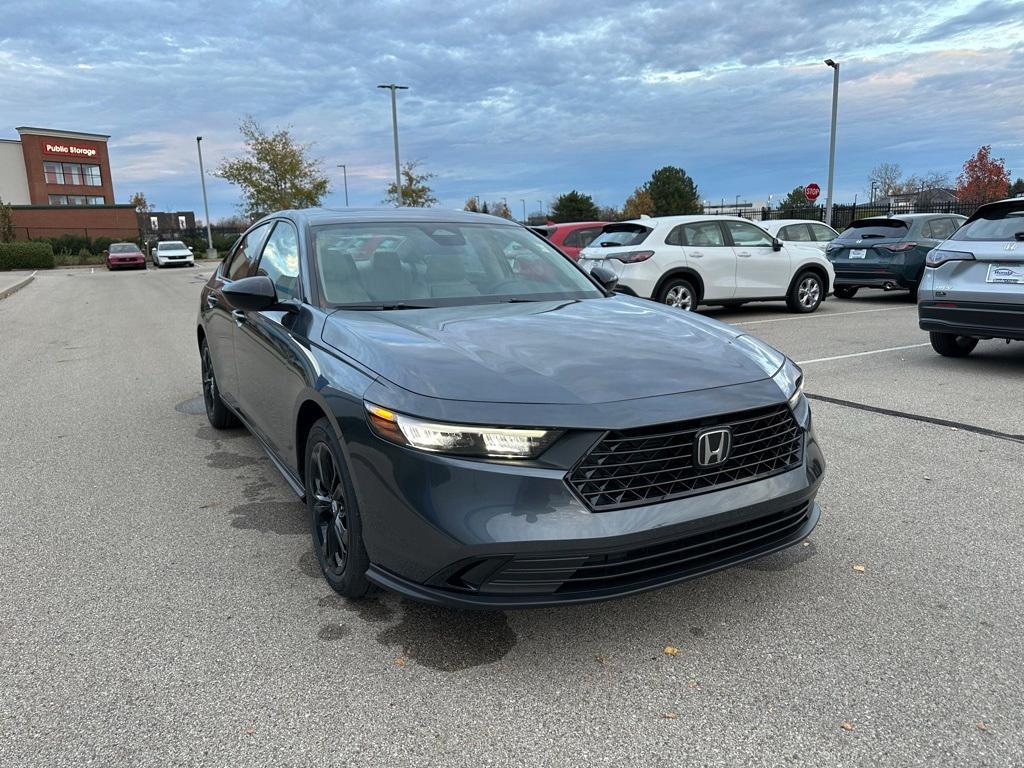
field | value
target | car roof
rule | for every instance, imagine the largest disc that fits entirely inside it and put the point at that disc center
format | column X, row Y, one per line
column 320, row 216
column 659, row 221
column 577, row 224
column 786, row 222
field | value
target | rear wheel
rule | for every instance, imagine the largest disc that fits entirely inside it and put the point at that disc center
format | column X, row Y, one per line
column 949, row 345
column 806, row 293
column 845, row 292
column 218, row 414
column 679, row 292
column 334, row 520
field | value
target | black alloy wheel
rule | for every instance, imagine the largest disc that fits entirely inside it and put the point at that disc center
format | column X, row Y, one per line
column 217, row 413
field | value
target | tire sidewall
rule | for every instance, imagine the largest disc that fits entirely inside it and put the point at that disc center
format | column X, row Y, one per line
column 352, row 581
column 794, row 292
column 671, row 283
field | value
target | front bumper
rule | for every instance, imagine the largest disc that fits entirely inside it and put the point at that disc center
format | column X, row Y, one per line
column 115, row 263
column 476, row 534
column 977, row 319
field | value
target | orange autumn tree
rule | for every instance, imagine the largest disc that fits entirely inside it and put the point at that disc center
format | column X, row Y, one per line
column 984, row 178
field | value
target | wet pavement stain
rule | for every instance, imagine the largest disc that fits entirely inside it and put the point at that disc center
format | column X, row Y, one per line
column 258, row 489
column 228, row 460
column 309, row 565
column 284, row 518
column 784, row 560
column 333, row 632
column 194, row 406
column 372, row 609
column 216, row 435
column 448, row 640
column 697, row 631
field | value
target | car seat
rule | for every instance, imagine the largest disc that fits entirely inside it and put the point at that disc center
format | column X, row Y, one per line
column 446, row 276
column 388, row 279
column 340, row 276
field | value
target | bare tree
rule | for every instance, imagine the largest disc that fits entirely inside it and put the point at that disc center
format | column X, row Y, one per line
column 885, row 177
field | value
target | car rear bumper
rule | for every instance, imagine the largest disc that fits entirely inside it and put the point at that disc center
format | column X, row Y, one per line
column 972, row 318
column 879, row 276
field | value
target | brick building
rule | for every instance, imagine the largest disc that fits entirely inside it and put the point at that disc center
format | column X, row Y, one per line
column 59, row 182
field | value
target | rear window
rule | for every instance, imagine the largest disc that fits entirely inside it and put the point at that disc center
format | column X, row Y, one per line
column 875, row 228
column 1001, row 225
column 621, row 234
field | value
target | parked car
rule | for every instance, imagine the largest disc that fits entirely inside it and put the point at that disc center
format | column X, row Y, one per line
column 800, row 232
column 685, row 261
column 472, row 430
column 887, row 252
column 572, row 237
column 973, row 285
column 120, row 255
column 172, row 252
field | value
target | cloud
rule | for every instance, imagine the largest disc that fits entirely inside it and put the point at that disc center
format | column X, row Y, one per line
column 523, row 100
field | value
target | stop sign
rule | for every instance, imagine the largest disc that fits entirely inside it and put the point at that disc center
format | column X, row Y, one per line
column 811, row 191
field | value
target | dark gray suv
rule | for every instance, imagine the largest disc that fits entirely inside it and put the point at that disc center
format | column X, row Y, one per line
column 474, row 421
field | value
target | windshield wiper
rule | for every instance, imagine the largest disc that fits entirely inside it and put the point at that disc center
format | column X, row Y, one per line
column 384, row 307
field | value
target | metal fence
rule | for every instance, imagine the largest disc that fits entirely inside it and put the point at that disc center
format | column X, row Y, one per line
column 844, row 215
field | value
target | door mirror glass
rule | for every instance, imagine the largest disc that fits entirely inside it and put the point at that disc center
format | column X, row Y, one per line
column 253, row 294
column 605, row 276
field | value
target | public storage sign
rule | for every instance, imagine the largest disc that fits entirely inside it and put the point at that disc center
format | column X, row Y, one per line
column 70, row 149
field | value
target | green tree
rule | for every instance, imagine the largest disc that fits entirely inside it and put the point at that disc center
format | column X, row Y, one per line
column 6, row 222
column 638, row 204
column 673, row 193
column 484, row 208
column 1017, row 188
column 796, row 201
column 573, row 206
column 274, row 172
column 416, row 192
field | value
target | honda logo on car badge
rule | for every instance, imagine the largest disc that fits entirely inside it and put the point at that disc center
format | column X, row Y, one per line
column 713, row 447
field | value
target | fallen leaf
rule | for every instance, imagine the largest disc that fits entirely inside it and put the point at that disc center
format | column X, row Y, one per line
column 671, row 650
column 846, row 725
column 250, row 730
column 670, row 715
column 692, row 684
column 400, row 661
column 859, row 568
column 981, row 726
column 601, row 659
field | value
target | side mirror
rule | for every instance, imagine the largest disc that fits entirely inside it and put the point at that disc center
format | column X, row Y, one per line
column 253, row 294
column 605, row 277
column 776, row 244
column 190, row 249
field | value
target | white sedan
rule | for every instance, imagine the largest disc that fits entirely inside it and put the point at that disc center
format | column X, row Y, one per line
column 801, row 231
column 172, row 252
column 685, row 261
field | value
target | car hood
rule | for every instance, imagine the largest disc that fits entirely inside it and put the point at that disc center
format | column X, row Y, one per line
column 592, row 351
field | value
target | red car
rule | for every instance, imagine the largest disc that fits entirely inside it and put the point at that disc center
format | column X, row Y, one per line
column 572, row 237
column 124, row 255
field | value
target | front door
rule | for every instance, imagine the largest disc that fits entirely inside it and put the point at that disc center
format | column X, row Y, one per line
column 708, row 253
column 761, row 271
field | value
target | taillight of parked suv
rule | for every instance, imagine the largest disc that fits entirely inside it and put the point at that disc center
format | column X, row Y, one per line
column 632, row 257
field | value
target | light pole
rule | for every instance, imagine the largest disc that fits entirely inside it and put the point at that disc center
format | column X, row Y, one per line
column 523, row 201
column 344, row 175
column 832, row 139
column 394, row 125
column 540, row 207
column 206, row 207
column 874, row 186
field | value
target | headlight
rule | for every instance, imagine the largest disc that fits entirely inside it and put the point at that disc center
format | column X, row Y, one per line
column 790, row 379
column 462, row 440
column 937, row 257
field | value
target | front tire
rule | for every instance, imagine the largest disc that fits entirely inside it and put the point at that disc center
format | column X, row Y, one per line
column 218, row 414
column 844, row 292
column 334, row 521
column 679, row 292
column 950, row 345
column 806, row 293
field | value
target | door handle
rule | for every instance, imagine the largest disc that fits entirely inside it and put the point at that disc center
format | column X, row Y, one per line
column 695, row 254
column 744, row 254
column 239, row 316
column 211, row 300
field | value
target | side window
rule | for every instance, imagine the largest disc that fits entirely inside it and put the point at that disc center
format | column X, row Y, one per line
column 942, row 228
column 574, row 239
column 245, row 254
column 675, row 237
column 587, row 236
column 822, row 234
column 798, row 233
column 748, row 235
column 280, row 260
column 706, row 234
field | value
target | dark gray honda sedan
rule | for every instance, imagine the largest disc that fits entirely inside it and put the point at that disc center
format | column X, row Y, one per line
column 474, row 421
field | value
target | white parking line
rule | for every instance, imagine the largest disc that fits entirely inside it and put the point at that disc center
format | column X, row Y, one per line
column 823, row 315
column 861, row 354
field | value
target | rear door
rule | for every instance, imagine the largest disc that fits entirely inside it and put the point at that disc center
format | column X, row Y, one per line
column 708, row 252
column 761, row 271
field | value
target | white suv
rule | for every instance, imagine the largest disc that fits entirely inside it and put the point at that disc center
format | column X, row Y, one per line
column 685, row 261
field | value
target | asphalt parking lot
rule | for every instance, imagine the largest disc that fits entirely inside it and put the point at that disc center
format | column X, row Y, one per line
column 160, row 604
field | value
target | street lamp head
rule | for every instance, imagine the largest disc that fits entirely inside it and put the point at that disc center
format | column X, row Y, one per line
column 831, row 63
column 394, row 87
column 199, row 138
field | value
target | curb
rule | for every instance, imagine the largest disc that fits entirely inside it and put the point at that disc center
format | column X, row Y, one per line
column 4, row 293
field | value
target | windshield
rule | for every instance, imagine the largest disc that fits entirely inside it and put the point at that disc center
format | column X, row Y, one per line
column 872, row 229
column 172, row 245
column 620, row 234
column 123, row 248
column 380, row 265
column 1000, row 225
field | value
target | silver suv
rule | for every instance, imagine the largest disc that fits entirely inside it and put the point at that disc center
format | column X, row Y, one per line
column 973, row 283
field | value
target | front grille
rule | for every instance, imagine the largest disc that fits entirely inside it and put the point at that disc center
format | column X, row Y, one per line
column 664, row 561
column 647, row 465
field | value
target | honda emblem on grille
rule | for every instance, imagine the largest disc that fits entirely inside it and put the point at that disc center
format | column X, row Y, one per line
column 713, row 447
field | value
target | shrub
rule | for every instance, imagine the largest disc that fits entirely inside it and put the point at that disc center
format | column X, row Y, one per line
column 24, row 255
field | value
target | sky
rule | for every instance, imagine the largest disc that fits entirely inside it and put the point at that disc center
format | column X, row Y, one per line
column 523, row 100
